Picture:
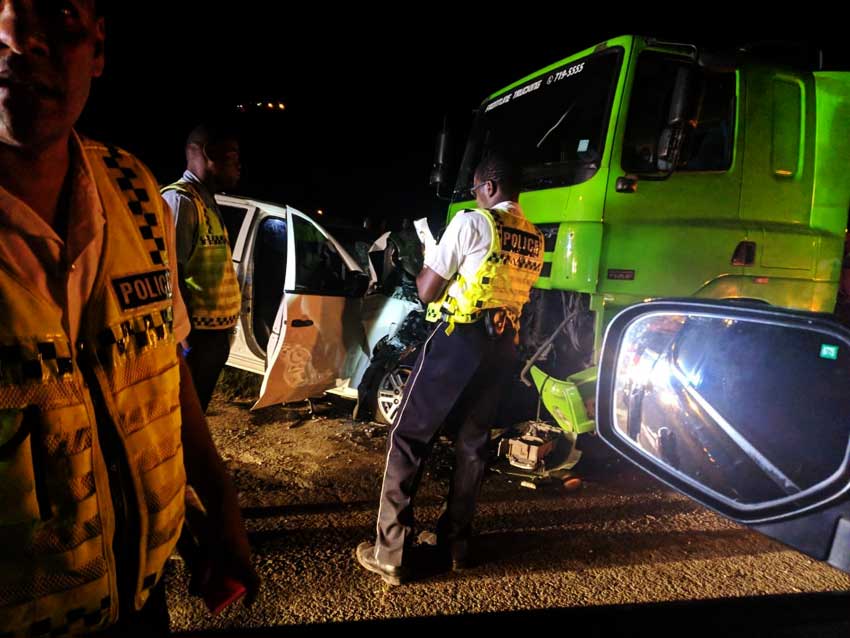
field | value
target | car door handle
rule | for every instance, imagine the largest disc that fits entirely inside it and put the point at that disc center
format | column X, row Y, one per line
column 301, row 323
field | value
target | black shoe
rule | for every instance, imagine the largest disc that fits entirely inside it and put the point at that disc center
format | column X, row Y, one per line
column 365, row 555
column 456, row 551
column 459, row 552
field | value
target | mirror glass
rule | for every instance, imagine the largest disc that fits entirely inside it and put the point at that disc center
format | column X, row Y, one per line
column 753, row 411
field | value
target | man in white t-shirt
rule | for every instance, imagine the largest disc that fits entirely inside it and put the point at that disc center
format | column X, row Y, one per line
column 476, row 281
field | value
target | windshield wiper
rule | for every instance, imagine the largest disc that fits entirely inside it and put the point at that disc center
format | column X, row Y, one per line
column 557, row 124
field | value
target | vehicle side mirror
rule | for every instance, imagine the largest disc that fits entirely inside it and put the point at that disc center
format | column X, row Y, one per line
column 669, row 142
column 743, row 408
column 672, row 137
column 440, row 168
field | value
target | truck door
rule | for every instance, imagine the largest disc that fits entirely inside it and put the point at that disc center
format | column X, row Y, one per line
column 671, row 229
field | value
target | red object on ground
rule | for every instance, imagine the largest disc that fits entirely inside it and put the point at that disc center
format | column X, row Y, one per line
column 221, row 592
column 572, row 484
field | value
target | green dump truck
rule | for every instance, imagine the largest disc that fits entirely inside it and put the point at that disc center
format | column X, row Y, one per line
column 657, row 169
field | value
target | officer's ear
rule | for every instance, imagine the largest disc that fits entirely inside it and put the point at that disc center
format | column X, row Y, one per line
column 209, row 152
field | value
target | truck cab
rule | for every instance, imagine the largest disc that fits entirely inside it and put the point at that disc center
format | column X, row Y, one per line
column 657, row 170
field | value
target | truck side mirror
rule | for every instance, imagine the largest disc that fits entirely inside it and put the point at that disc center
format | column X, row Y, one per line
column 440, row 168
column 670, row 144
column 672, row 138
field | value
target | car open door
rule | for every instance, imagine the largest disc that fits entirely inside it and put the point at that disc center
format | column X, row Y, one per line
column 317, row 329
column 240, row 218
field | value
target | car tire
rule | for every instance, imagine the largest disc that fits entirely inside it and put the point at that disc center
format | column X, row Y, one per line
column 388, row 394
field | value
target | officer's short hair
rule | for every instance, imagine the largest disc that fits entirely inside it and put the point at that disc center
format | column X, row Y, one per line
column 211, row 134
column 499, row 166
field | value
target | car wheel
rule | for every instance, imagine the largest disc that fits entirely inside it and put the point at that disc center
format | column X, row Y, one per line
column 390, row 391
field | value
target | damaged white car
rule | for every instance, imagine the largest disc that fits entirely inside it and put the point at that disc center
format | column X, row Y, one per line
column 312, row 317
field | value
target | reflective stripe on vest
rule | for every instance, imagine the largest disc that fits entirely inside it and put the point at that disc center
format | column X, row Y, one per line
column 214, row 299
column 505, row 276
column 57, row 519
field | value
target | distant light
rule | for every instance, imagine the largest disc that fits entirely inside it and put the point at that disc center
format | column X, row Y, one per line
column 281, row 106
column 259, row 103
column 320, row 212
column 270, row 105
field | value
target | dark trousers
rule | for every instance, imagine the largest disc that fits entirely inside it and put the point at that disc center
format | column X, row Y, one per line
column 456, row 381
column 208, row 353
column 151, row 621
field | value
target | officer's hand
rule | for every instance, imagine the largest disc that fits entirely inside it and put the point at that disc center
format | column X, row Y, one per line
column 232, row 557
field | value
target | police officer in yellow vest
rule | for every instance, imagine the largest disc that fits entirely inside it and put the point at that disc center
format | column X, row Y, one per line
column 100, row 426
column 477, row 281
column 204, row 262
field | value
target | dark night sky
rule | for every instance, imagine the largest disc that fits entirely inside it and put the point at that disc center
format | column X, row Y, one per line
column 366, row 89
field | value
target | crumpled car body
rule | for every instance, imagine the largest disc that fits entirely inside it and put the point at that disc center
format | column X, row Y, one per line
column 311, row 316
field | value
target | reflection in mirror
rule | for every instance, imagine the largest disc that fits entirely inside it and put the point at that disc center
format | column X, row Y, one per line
column 713, row 401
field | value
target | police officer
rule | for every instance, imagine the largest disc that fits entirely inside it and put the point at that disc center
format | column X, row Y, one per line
column 204, row 262
column 99, row 422
column 476, row 280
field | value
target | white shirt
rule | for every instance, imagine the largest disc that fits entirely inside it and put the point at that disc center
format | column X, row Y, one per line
column 463, row 246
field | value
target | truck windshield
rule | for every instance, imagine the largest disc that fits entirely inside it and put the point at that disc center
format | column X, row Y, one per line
column 555, row 124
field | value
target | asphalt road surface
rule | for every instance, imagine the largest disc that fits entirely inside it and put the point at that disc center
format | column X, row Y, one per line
column 309, row 487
